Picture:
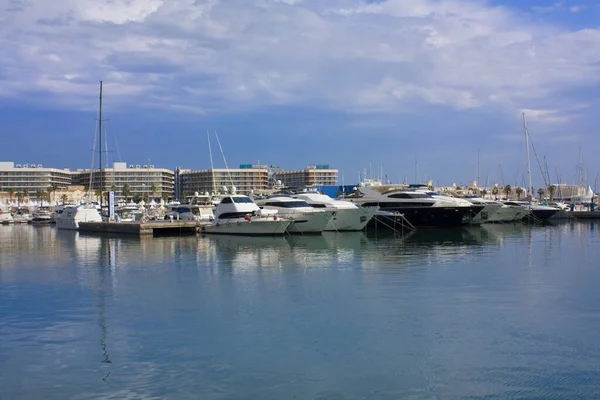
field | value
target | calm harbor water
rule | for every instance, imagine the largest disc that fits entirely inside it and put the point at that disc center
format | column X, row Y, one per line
column 503, row 311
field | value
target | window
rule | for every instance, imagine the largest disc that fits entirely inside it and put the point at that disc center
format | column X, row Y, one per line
column 242, row 199
column 226, row 200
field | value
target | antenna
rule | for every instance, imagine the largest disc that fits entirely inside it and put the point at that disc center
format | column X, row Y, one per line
column 224, row 160
column 212, row 168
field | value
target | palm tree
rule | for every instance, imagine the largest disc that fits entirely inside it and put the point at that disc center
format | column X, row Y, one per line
column 52, row 190
column 25, row 193
column 11, row 193
column 507, row 191
column 540, row 193
column 98, row 193
column 483, row 193
column 126, row 192
column 495, row 192
column 551, row 190
column 40, row 195
column 19, row 198
column 64, row 198
column 519, row 192
column 153, row 189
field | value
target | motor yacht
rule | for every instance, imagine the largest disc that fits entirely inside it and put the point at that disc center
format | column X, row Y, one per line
column 42, row 215
column 5, row 216
column 496, row 211
column 239, row 215
column 22, row 216
column 419, row 208
column 537, row 212
column 305, row 219
column 71, row 216
column 348, row 216
column 198, row 208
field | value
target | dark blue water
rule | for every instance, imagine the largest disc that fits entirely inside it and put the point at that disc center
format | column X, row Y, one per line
column 493, row 312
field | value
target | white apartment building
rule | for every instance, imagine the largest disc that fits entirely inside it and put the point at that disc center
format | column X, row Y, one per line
column 312, row 175
column 141, row 180
column 246, row 179
column 31, row 178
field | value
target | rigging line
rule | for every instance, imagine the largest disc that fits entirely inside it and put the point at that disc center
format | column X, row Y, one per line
column 538, row 160
column 224, row 160
column 116, row 143
column 212, row 168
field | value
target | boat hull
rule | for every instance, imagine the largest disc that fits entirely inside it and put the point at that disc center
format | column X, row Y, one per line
column 509, row 214
column 351, row 219
column 427, row 217
column 254, row 227
column 306, row 223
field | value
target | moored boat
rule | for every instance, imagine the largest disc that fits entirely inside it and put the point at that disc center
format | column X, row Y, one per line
column 239, row 215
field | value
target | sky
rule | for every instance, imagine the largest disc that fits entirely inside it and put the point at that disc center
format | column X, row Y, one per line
column 413, row 88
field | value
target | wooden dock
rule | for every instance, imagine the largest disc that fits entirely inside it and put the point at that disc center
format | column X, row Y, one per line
column 148, row 228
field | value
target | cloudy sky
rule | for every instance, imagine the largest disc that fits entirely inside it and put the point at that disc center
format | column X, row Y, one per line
column 417, row 88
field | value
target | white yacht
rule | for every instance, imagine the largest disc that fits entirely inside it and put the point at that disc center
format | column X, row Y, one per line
column 71, row 216
column 5, row 216
column 198, row 208
column 348, row 216
column 305, row 219
column 503, row 213
column 239, row 215
column 128, row 212
column 42, row 215
column 22, row 216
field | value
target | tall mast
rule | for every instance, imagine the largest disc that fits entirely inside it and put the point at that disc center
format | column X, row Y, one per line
column 212, row 168
column 530, row 188
column 100, row 148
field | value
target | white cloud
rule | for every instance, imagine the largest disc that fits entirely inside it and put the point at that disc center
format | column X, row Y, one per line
column 345, row 54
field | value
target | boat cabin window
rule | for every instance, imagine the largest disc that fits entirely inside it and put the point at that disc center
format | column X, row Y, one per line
column 409, row 196
column 226, row 200
column 243, row 199
column 318, row 205
column 287, row 204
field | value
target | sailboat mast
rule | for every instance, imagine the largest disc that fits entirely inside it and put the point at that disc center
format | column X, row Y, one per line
column 212, row 168
column 100, row 148
column 530, row 188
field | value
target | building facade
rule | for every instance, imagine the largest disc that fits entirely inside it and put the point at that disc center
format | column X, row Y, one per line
column 141, row 181
column 245, row 179
column 312, row 175
column 30, row 180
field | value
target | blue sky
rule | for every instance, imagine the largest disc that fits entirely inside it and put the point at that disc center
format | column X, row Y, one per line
column 348, row 83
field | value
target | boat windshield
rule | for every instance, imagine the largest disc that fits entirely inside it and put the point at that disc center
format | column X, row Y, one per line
column 242, row 199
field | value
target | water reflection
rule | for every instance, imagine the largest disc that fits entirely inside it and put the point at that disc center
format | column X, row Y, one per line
column 475, row 311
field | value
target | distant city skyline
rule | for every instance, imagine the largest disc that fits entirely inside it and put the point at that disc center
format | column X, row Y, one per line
column 420, row 89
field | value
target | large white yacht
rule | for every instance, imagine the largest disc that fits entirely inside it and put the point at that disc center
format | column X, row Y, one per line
column 348, row 216
column 503, row 213
column 418, row 207
column 42, row 215
column 239, row 215
column 71, row 216
column 305, row 219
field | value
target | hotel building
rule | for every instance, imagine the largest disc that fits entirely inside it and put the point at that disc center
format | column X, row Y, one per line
column 32, row 178
column 246, row 178
column 312, row 175
column 143, row 180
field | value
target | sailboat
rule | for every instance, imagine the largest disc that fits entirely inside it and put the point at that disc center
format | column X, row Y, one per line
column 538, row 212
column 71, row 216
